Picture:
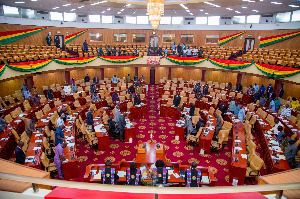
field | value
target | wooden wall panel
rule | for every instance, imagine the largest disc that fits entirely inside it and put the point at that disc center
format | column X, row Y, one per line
column 161, row 72
column 221, row 76
column 81, row 73
column 146, row 72
column 248, row 80
column 108, row 36
column 47, row 79
column 291, row 90
column 9, row 87
column 186, row 73
column 119, row 71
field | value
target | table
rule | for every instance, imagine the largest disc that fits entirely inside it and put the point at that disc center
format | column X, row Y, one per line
column 103, row 141
column 170, row 111
column 6, row 110
column 130, row 133
column 206, row 138
column 138, row 111
column 180, row 132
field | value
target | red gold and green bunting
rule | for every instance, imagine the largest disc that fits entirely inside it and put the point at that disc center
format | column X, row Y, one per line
column 2, row 69
column 11, row 36
column 119, row 59
column 70, row 38
column 75, row 61
column 266, row 41
column 185, row 60
column 230, row 64
column 277, row 71
column 29, row 66
column 224, row 40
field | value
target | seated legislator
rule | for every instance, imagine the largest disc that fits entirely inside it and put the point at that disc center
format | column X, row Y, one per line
column 176, row 100
column 114, row 79
column 74, row 88
column 218, row 126
column 50, row 94
column 93, row 88
column 106, row 92
column 142, row 79
column 192, row 109
column 275, row 127
column 199, row 124
column 109, row 175
column 95, row 98
column 64, row 111
column 89, row 118
column 232, row 105
column 60, row 121
column 137, row 99
column 131, row 89
column 20, row 155
column 262, row 100
column 295, row 103
column 35, row 100
column 286, row 112
column 115, row 97
column 160, row 173
column 223, row 108
column 193, row 176
column 133, row 175
column 67, row 89
column 30, row 126
column 2, row 123
column 128, row 78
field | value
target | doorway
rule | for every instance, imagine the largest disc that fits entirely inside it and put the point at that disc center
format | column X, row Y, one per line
column 61, row 41
column 153, row 43
column 152, row 76
column 249, row 44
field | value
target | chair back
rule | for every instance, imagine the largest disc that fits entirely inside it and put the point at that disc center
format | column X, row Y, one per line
column 211, row 110
column 293, row 119
column 17, row 137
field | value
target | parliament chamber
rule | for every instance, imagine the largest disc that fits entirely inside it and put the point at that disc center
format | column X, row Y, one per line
column 195, row 99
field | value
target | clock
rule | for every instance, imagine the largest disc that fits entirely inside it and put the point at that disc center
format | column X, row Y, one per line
column 153, row 32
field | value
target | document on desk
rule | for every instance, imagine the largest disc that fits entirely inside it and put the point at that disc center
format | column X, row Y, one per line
column 37, row 148
column 282, row 157
column 244, row 156
column 121, row 174
column 176, row 175
column 70, row 138
column 170, row 172
column 37, row 141
column 238, row 141
column 97, row 176
column 71, row 144
column 239, row 148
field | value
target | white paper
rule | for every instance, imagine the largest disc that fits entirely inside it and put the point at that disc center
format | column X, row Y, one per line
column 176, row 175
column 37, row 148
column 244, row 156
column 71, row 144
column 37, row 141
column 238, row 148
column 70, row 138
column 238, row 141
column 121, row 173
column 38, row 135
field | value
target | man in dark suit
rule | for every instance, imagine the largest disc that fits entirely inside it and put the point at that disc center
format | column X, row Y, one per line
column 205, row 90
column 89, row 117
column 223, row 108
column 177, row 99
column 20, row 155
column 137, row 99
column 218, row 126
column 199, row 124
column 122, row 125
column 96, row 80
column 192, row 109
column 109, row 175
column 87, row 78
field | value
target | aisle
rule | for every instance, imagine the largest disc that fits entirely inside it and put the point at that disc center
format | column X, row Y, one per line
column 163, row 130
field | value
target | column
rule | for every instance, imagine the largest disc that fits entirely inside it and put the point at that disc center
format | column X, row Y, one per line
column 203, row 75
column 136, row 72
column 170, row 73
column 29, row 82
column 239, row 78
column 67, row 76
column 102, row 73
column 277, row 87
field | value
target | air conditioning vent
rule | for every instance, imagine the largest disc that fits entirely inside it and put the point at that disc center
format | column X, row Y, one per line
column 118, row 17
column 189, row 18
column 267, row 15
column 82, row 16
column 42, row 12
column 225, row 17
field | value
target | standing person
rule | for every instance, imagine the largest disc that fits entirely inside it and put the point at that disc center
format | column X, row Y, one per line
column 192, row 109
column 50, row 94
column 193, row 176
column 184, row 53
column 20, row 155
column 195, row 51
column 218, row 126
column 122, row 125
column 223, row 108
column 48, row 39
column 59, row 135
column 239, row 87
column 96, row 80
column 205, row 89
column 241, row 114
column 57, row 42
column 251, row 90
column 200, row 55
column 67, row 89
column 280, row 135
column 277, row 104
column 160, row 173
column 256, row 87
column 232, row 105
column 24, row 88
column 60, row 121
column 30, row 126
column 189, row 52
column 114, row 79
column 93, row 89
column 179, row 49
column 128, row 78
column 115, row 51
column 290, row 153
column 108, row 50
column 85, row 47
column 237, row 110
column 183, row 46
column 142, row 79
column 117, row 114
column 27, row 94
column 100, row 51
column 89, row 119
column 272, row 106
column 176, row 100
column 174, row 47
column 262, row 89
column 269, row 90
column 133, row 175
column 87, row 78
column 136, row 52
column 58, row 159
column 281, row 92
column 115, row 97
column 106, row 92
column 109, row 175
column 166, row 52
column 137, row 99
column 119, row 51
column 188, row 125
column 256, row 96
column 262, row 100
column 74, row 88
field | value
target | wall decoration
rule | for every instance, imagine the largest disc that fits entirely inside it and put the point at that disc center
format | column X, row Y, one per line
column 224, row 40
column 70, row 38
column 266, row 41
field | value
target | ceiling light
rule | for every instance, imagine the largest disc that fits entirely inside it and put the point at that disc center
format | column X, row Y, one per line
column 108, row 9
column 261, row 0
column 255, row 10
column 73, row 9
column 122, row 10
column 244, row 7
column 81, row 7
column 184, row 6
column 55, row 8
column 206, row 13
column 249, row 1
column 33, row 0
column 19, row 2
column 238, row 12
column 191, row 13
column 103, row 12
column 212, row 4
column 128, row 5
column 229, row 8
column 104, row 1
column 187, row 10
column 201, row 10
column 119, row 12
column 294, row 6
column 67, row 5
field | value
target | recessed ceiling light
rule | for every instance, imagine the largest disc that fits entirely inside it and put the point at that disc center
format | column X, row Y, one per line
column 255, row 10
column 119, row 13
column 244, row 7
column 294, row 6
column 229, row 8
column 108, row 8
column 249, row 1
column 261, row 0
column 191, row 13
column 201, row 10
column 67, row 5
column 81, row 7
column 103, row 12
column 238, row 12
column 128, row 5
column 55, row 8
column 19, row 2
column 184, row 6
column 206, row 13
column 122, row 10
column 34, row 0
column 73, row 9
column 104, row 1
column 276, row 3
column 187, row 10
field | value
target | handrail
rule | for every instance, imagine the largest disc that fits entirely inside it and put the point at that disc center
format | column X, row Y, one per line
column 156, row 190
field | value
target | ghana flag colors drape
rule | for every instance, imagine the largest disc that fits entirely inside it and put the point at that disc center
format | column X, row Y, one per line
column 277, row 71
column 11, row 36
column 75, row 61
column 29, row 66
column 266, row 41
column 119, row 59
column 230, row 64
column 224, row 40
column 185, row 60
column 70, row 38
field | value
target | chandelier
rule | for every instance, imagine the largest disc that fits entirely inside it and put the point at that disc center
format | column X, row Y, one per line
column 155, row 8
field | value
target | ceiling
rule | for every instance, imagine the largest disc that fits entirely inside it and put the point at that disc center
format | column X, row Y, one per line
column 172, row 7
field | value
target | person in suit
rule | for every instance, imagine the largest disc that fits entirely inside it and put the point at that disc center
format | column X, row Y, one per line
column 176, row 100
column 218, row 126
column 193, row 176
column 137, row 99
column 281, row 92
column 131, row 89
column 89, row 117
column 50, row 94
column 109, row 175
column 48, row 39
column 192, row 109
column 96, row 80
column 20, row 155
column 269, row 90
column 188, row 125
column 2, row 123
column 133, row 175
column 160, row 173
column 114, row 79
column 199, row 124
column 85, row 47
column 115, row 97
column 223, row 108
column 117, row 114
column 122, row 125
column 87, row 78
column 290, row 153
column 93, row 89
column 241, row 114
column 205, row 89
column 239, row 87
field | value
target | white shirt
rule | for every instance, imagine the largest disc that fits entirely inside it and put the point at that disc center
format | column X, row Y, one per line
column 60, row 122
column 195, row 51
column 67, row 90
column 275, row 128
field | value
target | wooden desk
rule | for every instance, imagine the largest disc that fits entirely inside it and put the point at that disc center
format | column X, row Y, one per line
column 150, row 156
column 130, row 133
column 205, row 140
column 169, row 111
column 6, row 110
column 103, row 141
column 35, row 141
column 179, row 131
column 138, row 112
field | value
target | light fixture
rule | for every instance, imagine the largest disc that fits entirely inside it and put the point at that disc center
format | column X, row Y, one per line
column 229, row 8
column 55, row 8
column 206, row 13
column 73, row 9
column 255, row 10
column 201, row 10
column 294, row 6
column 238, row 12
column 244, row 7
column 108, row 8
column 276, row 3
column 19, row 2
column 187, row 10
column 155, row 8
column 81, row 7
column 212, row 4
column 103, row 12
column 67, row 5
column 119, row 13
column 34, row 0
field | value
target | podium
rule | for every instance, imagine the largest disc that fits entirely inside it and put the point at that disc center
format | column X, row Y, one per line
column 103, row 141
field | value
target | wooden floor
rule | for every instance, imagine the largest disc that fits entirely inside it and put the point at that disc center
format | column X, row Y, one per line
column 290, row 176
column 14, row 168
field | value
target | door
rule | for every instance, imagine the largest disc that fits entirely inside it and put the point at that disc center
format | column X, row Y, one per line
column 61, row 41
column 152, row 76
column 249, row 44
column 153, row 43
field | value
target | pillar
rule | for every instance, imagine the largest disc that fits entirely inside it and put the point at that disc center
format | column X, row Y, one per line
column 136, row 72
column 29, row 82
column 203, row 75
column 277, row 87
column 239, row 78
column 102, row 73
column 170, row 73
column 67, row 76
